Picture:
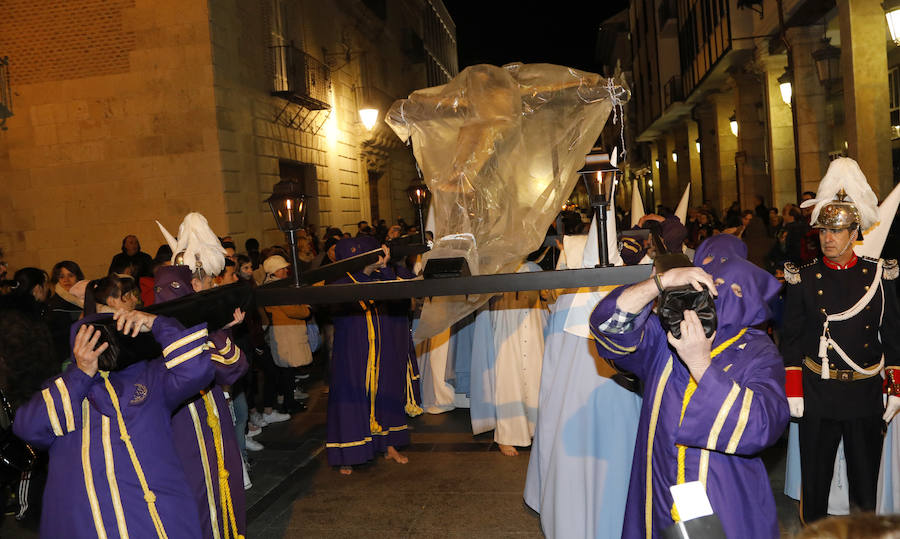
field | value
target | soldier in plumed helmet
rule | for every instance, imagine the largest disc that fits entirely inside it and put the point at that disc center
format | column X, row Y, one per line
column 841, row 339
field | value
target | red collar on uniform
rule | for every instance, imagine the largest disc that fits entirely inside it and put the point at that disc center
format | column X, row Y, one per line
column 832, row 265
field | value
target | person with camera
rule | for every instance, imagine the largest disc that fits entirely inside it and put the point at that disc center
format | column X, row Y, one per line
column 842, row 333
column 713, row 390
column 113, row 466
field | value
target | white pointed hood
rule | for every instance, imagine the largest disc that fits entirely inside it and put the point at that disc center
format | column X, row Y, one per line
column 681, row 210
column 637, row 205
column 875, row 237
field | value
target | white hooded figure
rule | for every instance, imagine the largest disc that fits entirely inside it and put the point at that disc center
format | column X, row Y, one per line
column 580, row 463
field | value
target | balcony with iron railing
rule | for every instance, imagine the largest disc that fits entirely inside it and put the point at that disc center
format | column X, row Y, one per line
column 672, row 92
column 300, row 78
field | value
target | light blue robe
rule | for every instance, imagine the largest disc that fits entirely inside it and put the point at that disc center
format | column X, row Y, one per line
column 889, row 474
column 582, row 451
column 480, row 341
column 838, row 496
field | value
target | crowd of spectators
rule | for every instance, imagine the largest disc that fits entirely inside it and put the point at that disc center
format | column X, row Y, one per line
column 38, row 308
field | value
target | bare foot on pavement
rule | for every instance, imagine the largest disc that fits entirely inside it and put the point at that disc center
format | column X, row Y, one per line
column 392, row 454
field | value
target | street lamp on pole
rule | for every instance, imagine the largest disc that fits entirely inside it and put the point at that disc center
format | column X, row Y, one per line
column 599, row 176
column 419, row 194
column 288, row 205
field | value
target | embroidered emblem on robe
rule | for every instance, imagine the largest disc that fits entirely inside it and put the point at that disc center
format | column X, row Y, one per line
column 140, row 394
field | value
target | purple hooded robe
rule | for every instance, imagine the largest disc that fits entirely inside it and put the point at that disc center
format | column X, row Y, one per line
column 713, row 432
column 369, row 338
column 193, row 431
column 93, row 486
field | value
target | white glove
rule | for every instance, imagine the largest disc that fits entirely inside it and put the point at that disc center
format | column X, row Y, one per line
column 893, row 406
column 796, row 406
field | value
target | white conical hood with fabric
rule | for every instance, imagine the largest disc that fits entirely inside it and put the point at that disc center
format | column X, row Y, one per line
column 429, row 219
column 874, row 237
column 681, row 210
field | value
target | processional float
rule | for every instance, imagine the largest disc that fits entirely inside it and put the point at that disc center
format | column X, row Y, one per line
column 499, row 150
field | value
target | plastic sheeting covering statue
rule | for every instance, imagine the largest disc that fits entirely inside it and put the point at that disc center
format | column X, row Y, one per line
column 499, row 148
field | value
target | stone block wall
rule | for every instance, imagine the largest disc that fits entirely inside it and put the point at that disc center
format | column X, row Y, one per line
column 114, row 128
column 251, row 123
column 132, row 111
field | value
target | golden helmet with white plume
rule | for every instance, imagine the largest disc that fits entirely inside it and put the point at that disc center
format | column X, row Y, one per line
column 197, row 246
column 844, row 199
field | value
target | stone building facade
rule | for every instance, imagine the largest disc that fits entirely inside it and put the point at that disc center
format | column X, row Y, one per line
column 131, row 111
column 702, row 68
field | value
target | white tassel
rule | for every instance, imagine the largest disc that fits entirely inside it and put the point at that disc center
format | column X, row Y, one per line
column 823, row 355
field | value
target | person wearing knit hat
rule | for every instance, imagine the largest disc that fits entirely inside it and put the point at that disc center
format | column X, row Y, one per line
column 374, row 382
column 203, row 431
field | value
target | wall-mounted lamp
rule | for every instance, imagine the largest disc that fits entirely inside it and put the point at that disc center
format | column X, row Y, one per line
column 368, row 117
column 785, row 84
column 650, row 184
column 892, row 14
column 657, row 163
column 367, row 107
column 674, row 157
column 732, row 121
column 828, row 63
column 697, row 144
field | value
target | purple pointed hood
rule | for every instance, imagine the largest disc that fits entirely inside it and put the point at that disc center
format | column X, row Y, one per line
column 350, row 247
column 172, row 282
column 719, row 248
column 745, row 292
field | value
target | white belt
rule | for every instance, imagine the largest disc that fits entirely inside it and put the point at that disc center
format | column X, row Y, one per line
column 825, row 339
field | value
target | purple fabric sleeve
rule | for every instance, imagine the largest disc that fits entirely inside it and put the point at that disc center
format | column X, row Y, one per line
column 633, row 349
column 738, row 414
column 228, row 359
column 186, row 358
column 38, row 423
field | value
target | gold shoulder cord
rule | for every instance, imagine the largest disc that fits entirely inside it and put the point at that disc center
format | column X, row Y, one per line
column 149, row 496
column 224, row 490
column 688, row 393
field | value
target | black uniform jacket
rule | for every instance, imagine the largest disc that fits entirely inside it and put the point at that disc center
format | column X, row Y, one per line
column 814, row 290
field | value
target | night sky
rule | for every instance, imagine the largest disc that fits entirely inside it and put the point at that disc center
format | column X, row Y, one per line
column 559, row 32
